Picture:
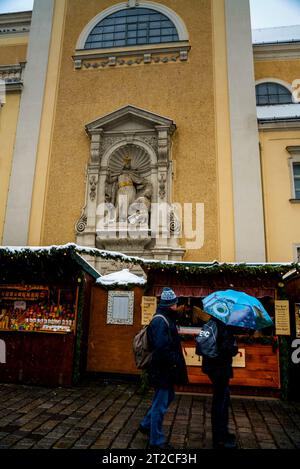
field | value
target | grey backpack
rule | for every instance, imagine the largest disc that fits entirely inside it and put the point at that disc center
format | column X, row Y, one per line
column 141, row 348
column 206, row 341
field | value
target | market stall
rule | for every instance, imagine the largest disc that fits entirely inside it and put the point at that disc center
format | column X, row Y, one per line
column 44, row 312
column 115, row 319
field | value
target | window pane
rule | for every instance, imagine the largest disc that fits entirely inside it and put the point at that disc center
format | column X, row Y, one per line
column 97, row 30
column 109, row 22
column 108, row 29
column 156, row 17
column 296, row 168
column 154, row 32
column 132, row 19
column 284, row 99
column 154, row 40
column 143, row 33
column 167, row 31
column 108, row 37
column 154, row 24
column 120, row 20
column 120, row 43
column 120, row 307
column 120, row 27
column 131, row 34
column 144, row 18
column 142, row 40
column 96, row 45
column 131, row 41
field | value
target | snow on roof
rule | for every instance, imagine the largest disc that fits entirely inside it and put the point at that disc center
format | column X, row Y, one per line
column 280, row 111
column 282, row 34
column 70, row 248
column 123, row 277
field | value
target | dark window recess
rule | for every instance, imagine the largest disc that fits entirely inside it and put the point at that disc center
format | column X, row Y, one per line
column 272, row 93
column 133, row 26
column 296, row 173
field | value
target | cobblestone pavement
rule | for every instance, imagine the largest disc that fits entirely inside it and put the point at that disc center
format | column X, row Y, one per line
column 106, row 415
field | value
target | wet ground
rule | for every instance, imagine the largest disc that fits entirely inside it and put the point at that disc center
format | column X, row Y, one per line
column 106, row 414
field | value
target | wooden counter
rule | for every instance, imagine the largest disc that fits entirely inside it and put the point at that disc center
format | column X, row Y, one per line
column 261, row 368
column 37, row 358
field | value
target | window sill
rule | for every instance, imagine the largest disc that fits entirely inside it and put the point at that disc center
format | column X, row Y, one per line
column 160, row 53
column 295, row 201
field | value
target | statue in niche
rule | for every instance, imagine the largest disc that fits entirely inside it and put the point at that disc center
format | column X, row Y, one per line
column 130, row 193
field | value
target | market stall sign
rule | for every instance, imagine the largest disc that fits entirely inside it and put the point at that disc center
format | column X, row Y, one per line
column 297, row 319
column 282, row 317
column 149, row 305
column 191, row 359
column 27, row 292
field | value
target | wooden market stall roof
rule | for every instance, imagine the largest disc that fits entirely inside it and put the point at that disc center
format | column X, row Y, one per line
column 31, row 263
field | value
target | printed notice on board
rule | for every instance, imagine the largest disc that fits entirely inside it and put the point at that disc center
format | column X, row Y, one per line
column 282, row 317
column 149, row 304
column 297, row 319
column 191, row 359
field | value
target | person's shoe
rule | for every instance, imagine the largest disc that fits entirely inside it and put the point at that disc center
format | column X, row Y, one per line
column 164, row 447
column 144, row 430
column 225, row 444
column 230, row 437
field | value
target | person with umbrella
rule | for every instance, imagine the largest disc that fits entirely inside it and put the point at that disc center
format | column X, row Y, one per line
column 229, row 311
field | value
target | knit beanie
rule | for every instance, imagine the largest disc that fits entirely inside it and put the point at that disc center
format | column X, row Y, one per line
column 168, row 297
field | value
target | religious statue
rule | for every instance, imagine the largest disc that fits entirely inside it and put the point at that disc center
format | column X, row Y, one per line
column 126, row 190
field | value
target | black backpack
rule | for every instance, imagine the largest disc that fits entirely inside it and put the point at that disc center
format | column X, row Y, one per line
column 206, row 341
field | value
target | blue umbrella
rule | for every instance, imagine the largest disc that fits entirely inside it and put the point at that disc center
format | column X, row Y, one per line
column 236, row 308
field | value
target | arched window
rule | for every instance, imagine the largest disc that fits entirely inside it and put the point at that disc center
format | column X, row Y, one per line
column 272, row 93
column 131, row 27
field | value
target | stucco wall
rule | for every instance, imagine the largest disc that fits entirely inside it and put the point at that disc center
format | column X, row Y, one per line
column 287, row 70
column 12, row 54
column 180, row 91
column 282, row 217
column 8, row 124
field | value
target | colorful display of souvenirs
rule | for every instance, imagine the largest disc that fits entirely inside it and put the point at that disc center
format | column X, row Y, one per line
column 26, row 315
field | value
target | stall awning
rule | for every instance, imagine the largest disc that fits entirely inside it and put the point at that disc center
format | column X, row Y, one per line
column 201, row 292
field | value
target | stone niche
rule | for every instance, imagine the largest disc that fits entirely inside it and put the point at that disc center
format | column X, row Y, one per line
column 129, row 175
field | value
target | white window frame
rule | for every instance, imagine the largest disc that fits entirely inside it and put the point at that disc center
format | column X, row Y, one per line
column 176, row 20
column 294, row 151
column 168, row 52
column 112, row 317
column 283, row 83
column 296, row 252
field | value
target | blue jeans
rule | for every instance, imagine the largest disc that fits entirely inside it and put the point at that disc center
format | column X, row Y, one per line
column 153, row 420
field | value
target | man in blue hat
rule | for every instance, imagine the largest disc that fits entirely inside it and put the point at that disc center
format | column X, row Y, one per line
column 167, row 366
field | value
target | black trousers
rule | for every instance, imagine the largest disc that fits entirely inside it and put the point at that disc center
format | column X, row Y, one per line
column 220, row 407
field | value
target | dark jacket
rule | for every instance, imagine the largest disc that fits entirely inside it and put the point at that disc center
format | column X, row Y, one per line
column 167, row 366
column 221, row 366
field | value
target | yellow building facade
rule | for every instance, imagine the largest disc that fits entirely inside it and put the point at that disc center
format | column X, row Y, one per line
column 167, row 88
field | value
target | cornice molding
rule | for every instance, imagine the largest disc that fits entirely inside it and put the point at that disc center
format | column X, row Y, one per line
column 160, row 53
column 283, row 124
column 278, row 51
column 15, row 23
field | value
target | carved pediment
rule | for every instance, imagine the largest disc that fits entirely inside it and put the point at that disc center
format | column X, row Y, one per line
column 130, row 118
